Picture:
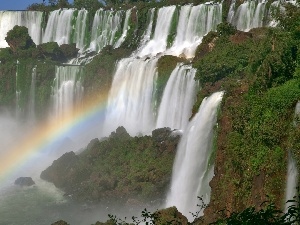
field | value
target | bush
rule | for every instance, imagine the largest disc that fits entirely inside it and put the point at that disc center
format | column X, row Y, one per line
column 19, row 39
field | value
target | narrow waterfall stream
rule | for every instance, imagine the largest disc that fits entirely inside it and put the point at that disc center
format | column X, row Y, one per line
column 192, row 169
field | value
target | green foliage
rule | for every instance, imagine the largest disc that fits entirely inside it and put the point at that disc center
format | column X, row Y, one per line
column 267, row 214
column 225, row 29
column 288, row 19
column 49, row 50
column 69, row 50
column 18, row 39
column 5, row 55
column 119, row 167
column 91, row 5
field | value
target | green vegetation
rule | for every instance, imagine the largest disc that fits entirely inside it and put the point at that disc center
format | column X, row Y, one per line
column 19, row 41
column 259, row 72
column 119, row 168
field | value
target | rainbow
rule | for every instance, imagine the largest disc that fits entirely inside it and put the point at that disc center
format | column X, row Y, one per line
column 48, row 132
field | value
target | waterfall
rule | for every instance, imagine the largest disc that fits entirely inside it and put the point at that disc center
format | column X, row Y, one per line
column 105, row 26
column 194, row 23
column 131, row 98
column 125, row 29
column 292, row 181
column 249, row 14
column 192, row 169
column 59, row 26
column 18, row 94
column 67, row 90
column 130, row 101
column 231, row 11
column 30, row 19
column 181, row 91
column 292, row 171
column 147, row 33
column 80, row 29
column 158, row 43
column 31, row 105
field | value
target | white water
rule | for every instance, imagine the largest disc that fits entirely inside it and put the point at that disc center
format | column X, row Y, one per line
column 105, row 25
column 67, row 91
column 125, row 29
column 180, row 91
column 194, row 23
column 147, row 33
column 31, row 102
column 80, row 29
column 292, row 171
column 292, row 181
column 130, row 101
column 59, row 27
column 249, row 14
column 158, row 43
column 231, row 11
column 192, row 170
column 31, row 20
column 18, row 95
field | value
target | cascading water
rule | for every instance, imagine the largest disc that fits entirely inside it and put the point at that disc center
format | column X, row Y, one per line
column 147, row 33
column 31, row 104
column 194, row 23
column 192, row 169
column 181, row 91
column 125, row 29
column 231, row 11
column 291, row 182
column 67, row 91
column 158, row 43
column 249, row 14
column 130, row 101
column 59, row 27
column 32, row 20
column 80, row 29
column 131, row 98
column 292, row 171
column 105, row 26
column 18, row 94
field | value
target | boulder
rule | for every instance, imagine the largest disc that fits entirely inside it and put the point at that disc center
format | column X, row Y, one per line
column 169, row 216
column 24, row 181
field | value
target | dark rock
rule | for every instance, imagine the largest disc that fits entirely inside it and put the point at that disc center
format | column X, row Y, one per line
column 24, row 181
column 93, row 143
column 161, row 134
column 60, row 170
column 120, row 133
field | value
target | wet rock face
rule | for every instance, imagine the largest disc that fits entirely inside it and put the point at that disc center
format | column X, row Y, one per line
column 24, row 181
column 64, row 165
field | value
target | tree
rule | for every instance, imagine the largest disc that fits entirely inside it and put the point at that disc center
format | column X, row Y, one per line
column 59, row 3
column 19, row 39
column 87, row 4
